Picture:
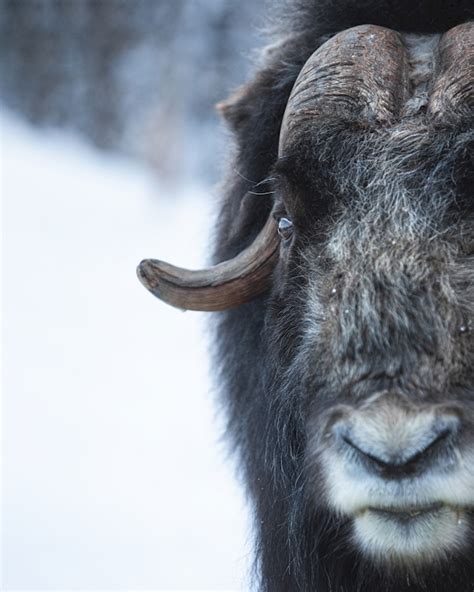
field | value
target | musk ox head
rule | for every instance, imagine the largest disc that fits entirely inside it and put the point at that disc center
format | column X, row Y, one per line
column 365, row 276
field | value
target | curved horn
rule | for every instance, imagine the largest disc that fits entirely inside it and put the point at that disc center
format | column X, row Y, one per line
column 362, row 69
column 453, row 91
column 361, row 72
column 222, row 286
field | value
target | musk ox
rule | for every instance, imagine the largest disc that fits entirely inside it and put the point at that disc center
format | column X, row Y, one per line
column 344, row 278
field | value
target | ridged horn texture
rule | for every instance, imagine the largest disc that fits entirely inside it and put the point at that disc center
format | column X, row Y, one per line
column 360, row 73
column 222, row 286
column 453, row 89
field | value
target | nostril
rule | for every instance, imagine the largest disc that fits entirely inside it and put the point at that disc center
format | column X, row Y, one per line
column 430, row 447
column 367, row 455
column 396, row 458
column 397, row 462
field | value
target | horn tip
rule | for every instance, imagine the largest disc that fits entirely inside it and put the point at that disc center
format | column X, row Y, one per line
column 148, row 274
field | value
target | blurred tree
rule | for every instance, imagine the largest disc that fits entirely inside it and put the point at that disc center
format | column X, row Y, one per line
column 137, row 76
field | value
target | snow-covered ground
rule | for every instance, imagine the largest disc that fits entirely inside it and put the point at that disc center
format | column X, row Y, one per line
column 113, row 472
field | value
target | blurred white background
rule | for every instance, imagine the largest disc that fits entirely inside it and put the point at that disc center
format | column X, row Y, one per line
column 114, row 471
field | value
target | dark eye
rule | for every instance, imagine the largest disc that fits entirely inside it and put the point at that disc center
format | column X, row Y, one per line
column 285, row 228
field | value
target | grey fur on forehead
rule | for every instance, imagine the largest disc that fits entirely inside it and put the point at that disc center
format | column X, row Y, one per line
column 422, row 52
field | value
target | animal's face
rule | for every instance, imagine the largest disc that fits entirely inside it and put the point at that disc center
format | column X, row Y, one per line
column 374, row 313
